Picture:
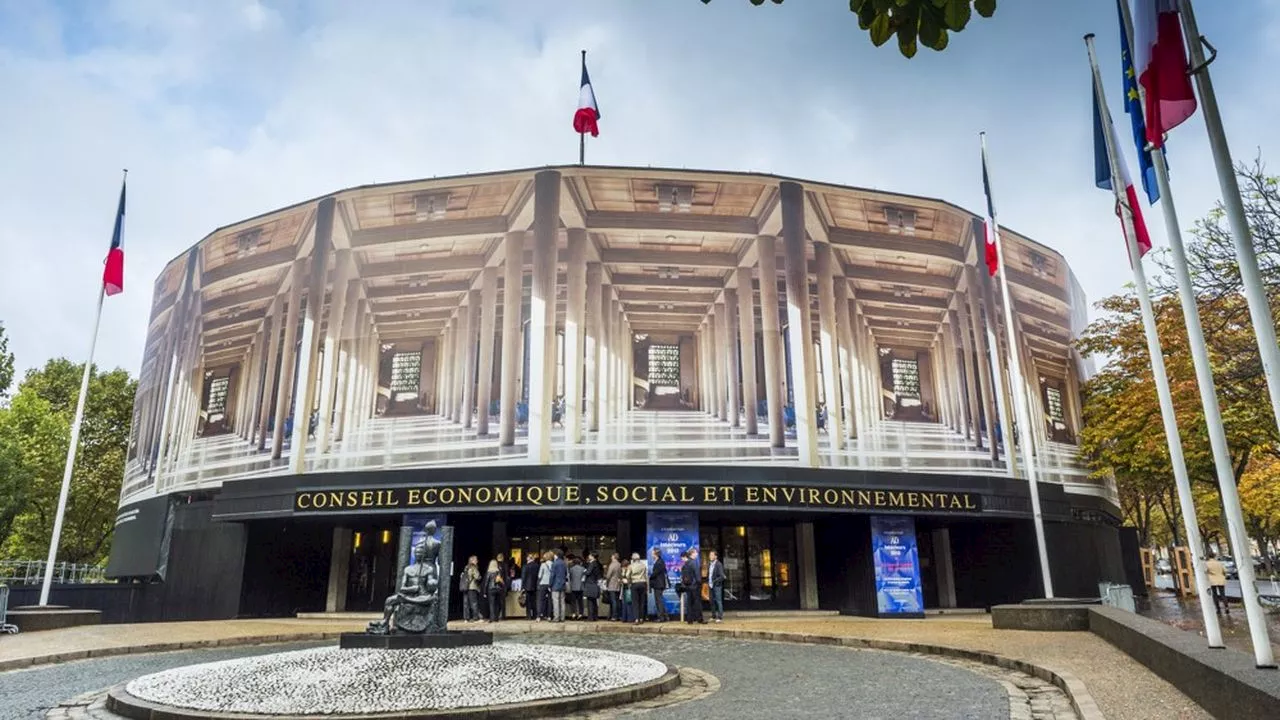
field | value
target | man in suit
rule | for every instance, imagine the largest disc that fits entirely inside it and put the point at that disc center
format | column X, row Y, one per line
column 716, row 578
column 691, row 581
column 559, row 580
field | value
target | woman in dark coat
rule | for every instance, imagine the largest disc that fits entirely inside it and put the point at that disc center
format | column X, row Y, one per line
column 495, row 583
column 658, row 584
column 591, row 586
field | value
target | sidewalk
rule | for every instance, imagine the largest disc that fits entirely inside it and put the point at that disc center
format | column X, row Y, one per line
column 1122, row 689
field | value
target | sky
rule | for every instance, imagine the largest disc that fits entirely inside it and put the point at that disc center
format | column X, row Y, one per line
column 225, row 109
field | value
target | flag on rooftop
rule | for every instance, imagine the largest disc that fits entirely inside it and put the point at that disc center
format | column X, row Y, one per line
column 1102, row 171
column 113, row 273
column 1133, row 106
column 989, row 224
column 1161, row 63
column 588, row 114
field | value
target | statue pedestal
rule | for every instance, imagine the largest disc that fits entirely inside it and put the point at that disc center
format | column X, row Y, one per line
column 451, row 639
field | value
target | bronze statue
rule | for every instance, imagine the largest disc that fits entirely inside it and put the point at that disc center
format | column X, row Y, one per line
column 415, row 606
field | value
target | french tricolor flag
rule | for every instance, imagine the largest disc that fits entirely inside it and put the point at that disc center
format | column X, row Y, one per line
column 587, row 117
column 113, row 271
column 1161, row 64
column 1102, row 170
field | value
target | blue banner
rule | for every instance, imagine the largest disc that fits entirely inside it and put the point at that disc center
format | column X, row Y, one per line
column 671, row 533
column 897, row 563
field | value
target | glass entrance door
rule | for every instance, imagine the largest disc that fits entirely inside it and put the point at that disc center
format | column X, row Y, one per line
column 759, row 564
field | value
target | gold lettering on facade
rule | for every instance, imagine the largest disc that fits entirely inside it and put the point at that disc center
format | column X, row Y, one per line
column 571, row 494
column 502, row 495
column 602, row 493
column 668, row 494
column 299, row 504
column 464, row 496
column 880, row 496
column 484, row 495
column 968, row 503
column 928, row 500
column 753, row 494
column 684, row 494
column 864, row 497
column 771, row 495
column 535, row 495
column 415, row 496
column 830, row 497
column 913, row 499
column 847, row 497
column 895, row 499
column 955, row 502
column 709, row 494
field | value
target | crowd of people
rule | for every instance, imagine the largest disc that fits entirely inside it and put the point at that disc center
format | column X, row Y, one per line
column 557, row 586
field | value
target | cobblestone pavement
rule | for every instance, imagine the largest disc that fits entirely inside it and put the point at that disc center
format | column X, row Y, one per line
column 28, row 694
column 725, row 679
column 772, row 680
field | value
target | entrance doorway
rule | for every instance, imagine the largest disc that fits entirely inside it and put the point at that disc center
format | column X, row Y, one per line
column 371, row 576
column 759, row 564
column 577, row 545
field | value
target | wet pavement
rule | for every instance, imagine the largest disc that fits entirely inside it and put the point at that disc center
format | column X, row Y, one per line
column 1184, row 613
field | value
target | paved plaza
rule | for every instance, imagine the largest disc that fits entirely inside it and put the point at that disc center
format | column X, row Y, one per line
column 774, row 679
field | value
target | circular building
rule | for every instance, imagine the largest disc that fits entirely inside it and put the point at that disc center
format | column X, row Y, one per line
column 801, row 376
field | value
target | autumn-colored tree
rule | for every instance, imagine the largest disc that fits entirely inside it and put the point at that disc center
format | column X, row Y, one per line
column 912, row 22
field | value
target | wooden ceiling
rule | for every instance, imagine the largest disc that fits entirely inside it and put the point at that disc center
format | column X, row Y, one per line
column 670, row 242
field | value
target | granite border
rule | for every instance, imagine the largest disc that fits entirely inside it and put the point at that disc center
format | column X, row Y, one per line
column 121, row 702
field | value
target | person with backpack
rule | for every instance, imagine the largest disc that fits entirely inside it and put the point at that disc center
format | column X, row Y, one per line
column 494, row 583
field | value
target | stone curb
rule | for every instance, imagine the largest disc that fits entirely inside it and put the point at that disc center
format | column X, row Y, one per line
column 119, row 701
column 1081, row 701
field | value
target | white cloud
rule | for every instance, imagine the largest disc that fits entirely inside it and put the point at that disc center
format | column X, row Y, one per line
column 223, row 110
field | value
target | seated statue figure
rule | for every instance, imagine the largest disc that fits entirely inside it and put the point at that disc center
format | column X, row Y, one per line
column 413, row 609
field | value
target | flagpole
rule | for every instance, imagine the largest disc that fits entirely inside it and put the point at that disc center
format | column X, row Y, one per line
column 1167, row 413
column 582, row 137
column 1195, row 339
column 1021, row 409
column 71, row 456
column 1259, row 313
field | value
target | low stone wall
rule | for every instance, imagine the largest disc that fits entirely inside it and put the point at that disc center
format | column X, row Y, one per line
column 33, row 618
column 1041, row 617
column 1224, row 682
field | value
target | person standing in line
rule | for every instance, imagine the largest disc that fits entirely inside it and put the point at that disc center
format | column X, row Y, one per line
column 529, row 585
column 470, row 586
column 544, row 587
column 716, row 578
column 506, row 579
column 1217, row 573
column 638, row 579
column 591, row 581
column 658, row 584
column 577, row 577
column 493, row 582
column 613, row 587
column 624, row 593
column 691, row 581
column 559, row 581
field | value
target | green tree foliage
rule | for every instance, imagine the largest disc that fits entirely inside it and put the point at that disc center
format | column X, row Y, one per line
column 34, row 431
column 912, row 22
column 6, row 364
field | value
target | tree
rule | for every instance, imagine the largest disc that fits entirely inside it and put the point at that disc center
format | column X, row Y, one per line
column 6, row 364
column 1123, row 433
column 913, row 22
column 35, row 429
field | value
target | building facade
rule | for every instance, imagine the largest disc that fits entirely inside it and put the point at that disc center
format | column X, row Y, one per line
column 571, row 357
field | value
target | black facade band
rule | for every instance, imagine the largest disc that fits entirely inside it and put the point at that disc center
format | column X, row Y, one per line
column 631, row 495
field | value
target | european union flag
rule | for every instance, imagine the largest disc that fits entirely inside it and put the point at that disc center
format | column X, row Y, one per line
column 1133, row 106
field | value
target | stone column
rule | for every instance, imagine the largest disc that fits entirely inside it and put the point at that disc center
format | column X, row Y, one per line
column 287, row 357
column 339, row 567
column 845, row 359
column 461, row 351
column 704, row 367
column 472, row 357
column 591, row 347
column 825, row 265
column 542, row 315
column 447, row 353
column 766, row 253
column 605, row 358
column 747, row 349
column 575, row 334
column 962, row 325
column 342, row 271
column 262, row 414
column 512, row 352
column 347, row 361
column 800, row 325
column 354, row 403
column 310, row 345
column 488, row 326
column 1073, row 395
column 732, row 344
column 619, row 330
column 717, row 362
column 808, row 565
column 984, row 364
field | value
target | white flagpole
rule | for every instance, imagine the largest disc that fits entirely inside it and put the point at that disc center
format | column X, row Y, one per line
column 1259, row 313
column 1156, row 354
column 1019, row 395
column 71, row 457
column 1195, row 338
